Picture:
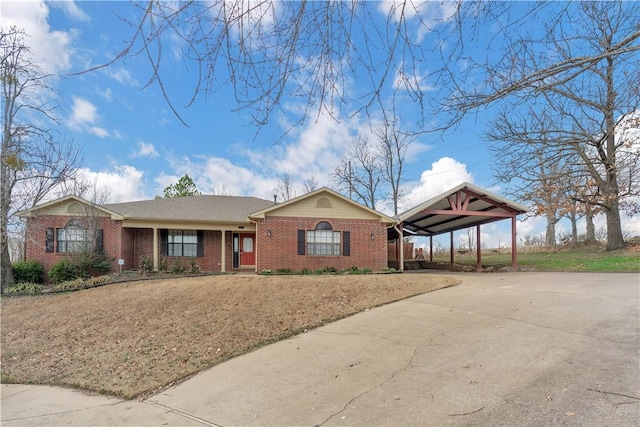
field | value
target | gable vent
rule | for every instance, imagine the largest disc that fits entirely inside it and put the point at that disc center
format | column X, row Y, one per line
column 323, row 202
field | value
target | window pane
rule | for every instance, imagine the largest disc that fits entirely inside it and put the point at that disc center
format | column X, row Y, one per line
column 189, row 236
column 174, row 249
column 190, row 249
column 247, row 244
column 73, row 238
column 324, row 226
column 175, row 236
column 323, row 242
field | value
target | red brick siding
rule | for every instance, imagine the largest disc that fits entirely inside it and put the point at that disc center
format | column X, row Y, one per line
column 281, row 249
column 36, row 238
column 143, row 246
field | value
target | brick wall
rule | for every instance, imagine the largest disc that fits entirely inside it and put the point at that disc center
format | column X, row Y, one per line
column 280, row 250
column 36, row 238
column 143, row 246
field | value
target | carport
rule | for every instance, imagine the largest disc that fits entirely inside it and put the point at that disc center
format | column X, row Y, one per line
column 462, row 207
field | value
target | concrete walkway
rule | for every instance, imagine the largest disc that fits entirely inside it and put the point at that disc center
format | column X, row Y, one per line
column 500, row 349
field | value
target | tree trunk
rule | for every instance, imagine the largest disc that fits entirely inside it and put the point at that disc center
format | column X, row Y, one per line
column 574, row 229
column 615, row 239
column 591, row 228
column 550, row 236
column 5, row 262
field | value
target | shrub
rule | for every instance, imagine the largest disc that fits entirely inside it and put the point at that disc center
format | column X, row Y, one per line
column 89, row 263
column 193, row 266
column 25, row 288
column 82, row 283
column 145, row 265
column 62, row 271
column 162, row 264
column 28, row 272
column 284, row 271
column 177, row 267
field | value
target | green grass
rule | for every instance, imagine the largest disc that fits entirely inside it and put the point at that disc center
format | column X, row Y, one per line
column 574, row 260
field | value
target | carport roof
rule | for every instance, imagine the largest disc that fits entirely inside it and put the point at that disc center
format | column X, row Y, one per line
column 461, row 207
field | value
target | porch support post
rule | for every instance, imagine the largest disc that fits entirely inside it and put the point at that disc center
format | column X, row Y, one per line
column 430, row 248
column 478, row 250
column 514, row 249
column 156, row 249
column 223, row 252
column 451, row 247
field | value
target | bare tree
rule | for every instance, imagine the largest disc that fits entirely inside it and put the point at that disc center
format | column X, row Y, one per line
column 310, row 183
column 359, row 172
column 284, row 187
column 393, row 146
column 222, row 190
column 587, row 83
column 33, row 163
column 269, row 50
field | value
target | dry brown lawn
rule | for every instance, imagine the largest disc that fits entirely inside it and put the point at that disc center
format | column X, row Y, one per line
column 133, row 339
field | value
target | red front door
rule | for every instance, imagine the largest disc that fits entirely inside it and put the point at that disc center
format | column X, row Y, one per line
column 247, row 249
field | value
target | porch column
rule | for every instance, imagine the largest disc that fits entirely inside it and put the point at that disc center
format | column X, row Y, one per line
column 514, row 242
column 223, row 252
column 478, row 250
column 156, row 247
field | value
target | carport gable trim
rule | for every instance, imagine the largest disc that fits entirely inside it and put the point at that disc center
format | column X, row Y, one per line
column 459, row 199
column 414, row 229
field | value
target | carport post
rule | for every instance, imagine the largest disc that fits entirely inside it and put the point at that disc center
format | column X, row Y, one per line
column 451, row 247
column 478, row 250
column 400, row 246
column 430, row 248
column 514, row 242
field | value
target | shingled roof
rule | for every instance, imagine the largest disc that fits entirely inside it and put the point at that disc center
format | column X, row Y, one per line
column 192, row 208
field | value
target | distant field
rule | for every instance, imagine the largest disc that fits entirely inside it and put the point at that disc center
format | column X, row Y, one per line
column 574, row 260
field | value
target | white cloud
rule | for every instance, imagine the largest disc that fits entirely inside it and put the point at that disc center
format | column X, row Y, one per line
column 214, row 173
column 106, row 94
column 83, row 118
column 145, row 150
column 83, row 113
column 71, row 9
column 411, row 79
column 51, row 49
column 426, row 14
column 121, row 75
column 98, row 131
column 445, row 173
column 122, row 183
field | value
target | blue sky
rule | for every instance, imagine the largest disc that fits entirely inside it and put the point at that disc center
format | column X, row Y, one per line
column 134, row 146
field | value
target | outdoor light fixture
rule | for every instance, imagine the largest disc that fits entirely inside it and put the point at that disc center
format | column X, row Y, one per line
column 373, row 236
column 269, row 233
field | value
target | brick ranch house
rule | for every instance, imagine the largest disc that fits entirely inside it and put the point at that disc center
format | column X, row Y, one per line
column 222, row 233
column 227, row 233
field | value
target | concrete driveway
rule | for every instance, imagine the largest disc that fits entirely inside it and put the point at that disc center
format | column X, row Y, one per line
column 500, row 349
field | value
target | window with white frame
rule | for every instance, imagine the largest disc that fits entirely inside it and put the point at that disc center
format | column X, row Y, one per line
column 323, row 240
column 73, row 238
